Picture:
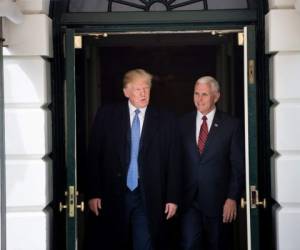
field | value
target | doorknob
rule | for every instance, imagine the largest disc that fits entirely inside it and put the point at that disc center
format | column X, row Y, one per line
column 255, row 198
column 71, row 202
column 262, row 203
column 62, row 207
column 81, row 206
column 243, row 202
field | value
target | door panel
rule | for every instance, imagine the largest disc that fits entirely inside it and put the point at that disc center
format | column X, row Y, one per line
column 70, row 206
column 253, row 202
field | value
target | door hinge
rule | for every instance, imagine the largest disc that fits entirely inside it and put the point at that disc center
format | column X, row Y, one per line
column 78, row 42
column 240, row 37
column 251, row 71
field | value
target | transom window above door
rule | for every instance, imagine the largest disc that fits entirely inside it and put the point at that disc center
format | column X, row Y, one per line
column 156, row 5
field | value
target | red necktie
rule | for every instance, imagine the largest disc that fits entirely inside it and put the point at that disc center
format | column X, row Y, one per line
column 202, row 135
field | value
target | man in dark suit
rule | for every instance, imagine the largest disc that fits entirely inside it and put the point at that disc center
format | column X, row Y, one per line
column 213, row 166
column 133, row 172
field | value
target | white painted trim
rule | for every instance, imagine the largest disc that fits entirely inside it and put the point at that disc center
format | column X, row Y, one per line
column 246, row 112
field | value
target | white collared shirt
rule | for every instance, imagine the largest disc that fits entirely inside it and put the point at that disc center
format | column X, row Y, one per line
column 141, row 115
column 210, row 117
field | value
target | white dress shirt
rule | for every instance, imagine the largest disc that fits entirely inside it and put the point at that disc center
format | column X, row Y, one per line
column 141, row 114
column 210, row 117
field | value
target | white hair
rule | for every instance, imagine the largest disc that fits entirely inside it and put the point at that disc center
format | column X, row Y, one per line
column 209, row 80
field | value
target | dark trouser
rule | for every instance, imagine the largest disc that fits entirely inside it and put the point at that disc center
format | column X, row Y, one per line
column 199, row 232
column 136, row 215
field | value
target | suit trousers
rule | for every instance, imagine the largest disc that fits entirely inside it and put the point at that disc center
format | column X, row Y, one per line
column 137, row 219
column 201, row 232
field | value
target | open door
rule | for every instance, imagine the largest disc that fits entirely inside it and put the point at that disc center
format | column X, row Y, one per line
column 252, row 202
column 70, row 205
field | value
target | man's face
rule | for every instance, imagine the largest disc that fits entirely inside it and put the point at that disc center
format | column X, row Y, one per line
column 138, row 92
column 205, row 98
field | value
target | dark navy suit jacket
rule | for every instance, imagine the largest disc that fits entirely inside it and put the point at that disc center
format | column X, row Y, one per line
column 158, row 161
column 218, row 173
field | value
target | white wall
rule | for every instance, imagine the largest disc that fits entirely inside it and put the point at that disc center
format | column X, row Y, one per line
column 283, row 46
column 28, row 127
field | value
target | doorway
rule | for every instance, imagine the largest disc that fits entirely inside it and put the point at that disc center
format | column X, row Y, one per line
column 176, row 61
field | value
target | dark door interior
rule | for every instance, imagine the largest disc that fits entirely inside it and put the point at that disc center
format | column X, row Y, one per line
column 176, row 61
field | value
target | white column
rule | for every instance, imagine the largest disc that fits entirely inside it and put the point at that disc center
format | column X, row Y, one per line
column 28, row 127
column 283, row 46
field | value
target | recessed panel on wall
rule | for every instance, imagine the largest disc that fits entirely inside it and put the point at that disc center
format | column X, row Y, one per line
column 31, row 38
column 28, row 183
column 28, row 132
column 282, row 30
column 34, row 6
column 287, row 228
column 28, row 230
column 281, row 4
column 285, row 124
column 284, row 76
column 26, row 80
column 285, row 179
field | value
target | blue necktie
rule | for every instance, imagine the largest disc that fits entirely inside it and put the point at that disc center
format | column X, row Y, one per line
column 132, row 175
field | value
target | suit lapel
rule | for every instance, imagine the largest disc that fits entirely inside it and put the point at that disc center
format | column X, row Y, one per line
column 123, row 134
column 191, row 133
column 149, row 129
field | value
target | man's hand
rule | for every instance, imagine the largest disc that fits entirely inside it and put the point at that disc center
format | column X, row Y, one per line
column 95, row 205
column 229, row 211
column 170, row 210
